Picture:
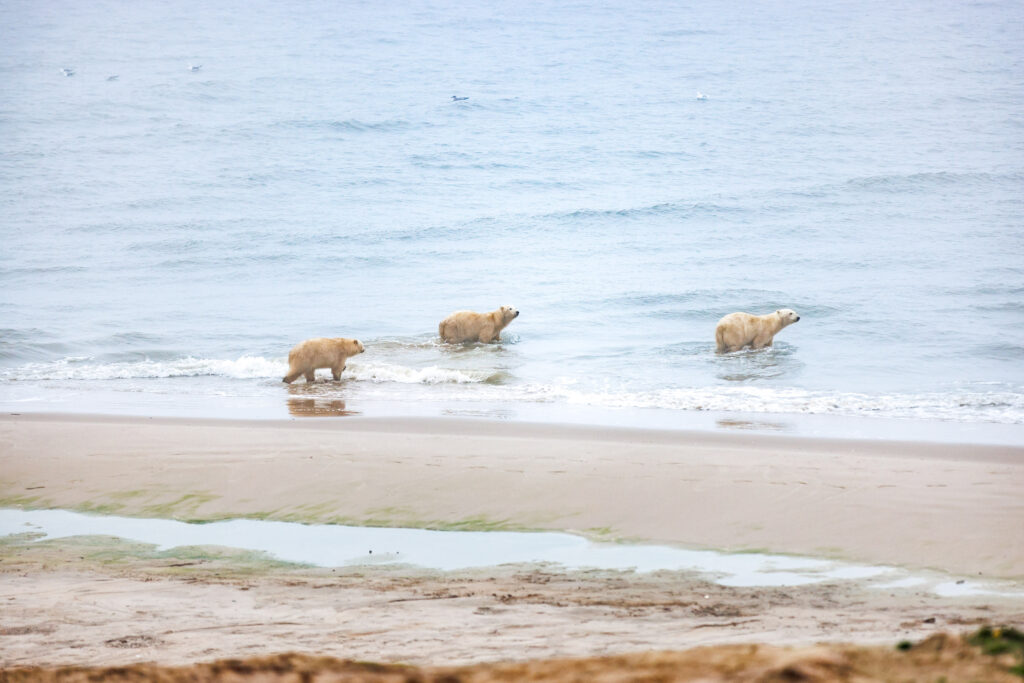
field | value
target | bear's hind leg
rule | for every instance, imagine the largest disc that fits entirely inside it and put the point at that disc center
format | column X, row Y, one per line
column 291, row 376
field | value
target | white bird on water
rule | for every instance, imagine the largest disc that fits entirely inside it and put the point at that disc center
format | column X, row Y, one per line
column 67, row 72
column 195, row 67
column 701, row 96
column 456, row 98
column 112, row 78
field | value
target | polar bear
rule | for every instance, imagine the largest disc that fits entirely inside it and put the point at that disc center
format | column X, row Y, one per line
column 737, row 330
column 320, row 352
column 463, row 326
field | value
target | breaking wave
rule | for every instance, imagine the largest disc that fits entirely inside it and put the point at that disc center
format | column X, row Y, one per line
column 1006, row 407
column 83, row 368
column 246, row 367
column 999, row 403
column 383, row 372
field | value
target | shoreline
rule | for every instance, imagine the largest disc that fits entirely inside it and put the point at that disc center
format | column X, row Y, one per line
column 302, row 405
column 473, row 425
column 944, row 507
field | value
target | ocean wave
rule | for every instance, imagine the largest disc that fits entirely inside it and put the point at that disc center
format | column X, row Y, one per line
column 74, row 368
column 382, row 372
column 677, row 209
column 85, row 368
column 354, row 125
column 926, row 181
column 967, row 406
column 999, row 406
column 998, row 403
column 460, row 161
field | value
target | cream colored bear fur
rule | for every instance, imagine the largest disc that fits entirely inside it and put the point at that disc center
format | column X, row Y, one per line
column 321, row 352
column 738, row 330
column 463, row 326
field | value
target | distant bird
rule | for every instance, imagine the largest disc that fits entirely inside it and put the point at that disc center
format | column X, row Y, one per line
column 67, row 72
column 195, row 67
column 456, row 98
column 112, row 78
column 701, row 96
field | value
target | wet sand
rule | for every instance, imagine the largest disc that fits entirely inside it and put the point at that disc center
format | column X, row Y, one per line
column 955, row 508
column 99, row 601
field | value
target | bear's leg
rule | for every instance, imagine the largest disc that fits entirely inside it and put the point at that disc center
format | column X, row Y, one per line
column 336, row 372
column 310, row 376
column 291, row 376
column 487, row 335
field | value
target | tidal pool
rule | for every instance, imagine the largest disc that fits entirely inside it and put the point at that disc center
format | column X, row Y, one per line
column 328, row 545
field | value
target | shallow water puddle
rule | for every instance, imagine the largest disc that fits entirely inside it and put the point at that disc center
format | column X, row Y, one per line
column 326, row 545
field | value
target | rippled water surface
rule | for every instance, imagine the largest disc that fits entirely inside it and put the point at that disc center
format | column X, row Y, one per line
column 625, row 175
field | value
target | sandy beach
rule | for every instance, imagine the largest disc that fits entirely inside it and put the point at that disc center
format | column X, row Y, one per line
column 949, row 509
column 953, row 508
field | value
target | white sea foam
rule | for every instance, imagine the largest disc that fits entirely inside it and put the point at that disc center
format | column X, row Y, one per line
column 998, row 407
column 76, row 368
column 490, row 384
column 385, row 372
column 245, row 367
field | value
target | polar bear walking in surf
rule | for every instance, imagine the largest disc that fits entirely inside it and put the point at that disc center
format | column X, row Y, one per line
column 738, row 330
column 465, row 326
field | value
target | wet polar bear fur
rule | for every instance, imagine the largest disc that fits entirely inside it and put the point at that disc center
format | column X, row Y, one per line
column 464, row 326
column 321, row 352
column 738, row 330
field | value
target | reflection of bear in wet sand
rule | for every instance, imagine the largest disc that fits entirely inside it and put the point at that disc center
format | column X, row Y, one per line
column 311, row 407
column 321, row 352
column 738, row 330
column 464, row 326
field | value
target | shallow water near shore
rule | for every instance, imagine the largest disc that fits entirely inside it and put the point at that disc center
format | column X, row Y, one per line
column 180, row 205
column 338, row 546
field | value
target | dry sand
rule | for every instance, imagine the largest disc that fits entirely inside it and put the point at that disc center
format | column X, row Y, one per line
column 95, row 601
column 939, row 658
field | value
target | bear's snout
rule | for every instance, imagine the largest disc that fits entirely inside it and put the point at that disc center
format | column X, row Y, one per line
column 797, row 319
column 516, row 315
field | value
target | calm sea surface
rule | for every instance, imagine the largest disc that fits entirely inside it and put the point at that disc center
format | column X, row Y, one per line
column 214, row 182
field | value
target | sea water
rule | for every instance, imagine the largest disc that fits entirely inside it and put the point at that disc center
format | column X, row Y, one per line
column 189, row 189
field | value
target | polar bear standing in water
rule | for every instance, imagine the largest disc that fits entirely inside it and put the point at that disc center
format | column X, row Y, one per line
column 464, row 326
column 738, row 330
column 321, row 352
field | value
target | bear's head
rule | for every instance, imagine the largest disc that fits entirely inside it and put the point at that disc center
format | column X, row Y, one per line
column 354, row 346
column 787, row 316
column 508, row 313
